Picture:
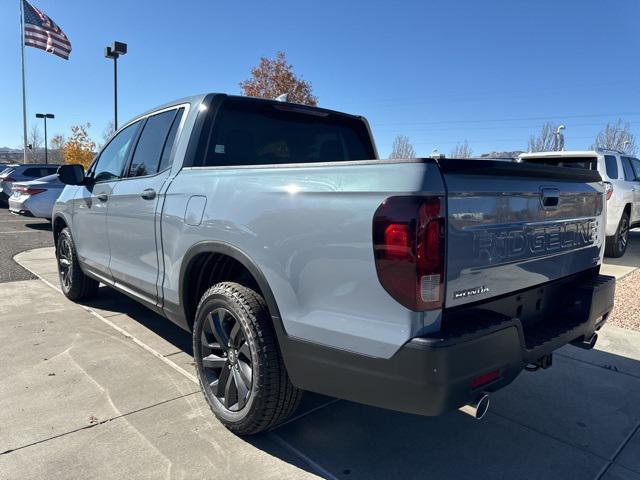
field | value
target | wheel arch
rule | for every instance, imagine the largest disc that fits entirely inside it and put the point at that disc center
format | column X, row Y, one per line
column 58, row 222
column 210, row 247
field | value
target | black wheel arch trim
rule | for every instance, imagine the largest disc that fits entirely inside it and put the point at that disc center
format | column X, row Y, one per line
column 223, row 248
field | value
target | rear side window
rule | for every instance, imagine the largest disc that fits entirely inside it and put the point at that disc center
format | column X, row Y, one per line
column 635, row 163
column 146, row 158
column 38, row 172
column 611, row 164
column 165, row 161
column 629, row 174
column 264, row 133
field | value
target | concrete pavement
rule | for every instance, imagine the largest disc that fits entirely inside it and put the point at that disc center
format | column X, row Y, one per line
column 121, row 403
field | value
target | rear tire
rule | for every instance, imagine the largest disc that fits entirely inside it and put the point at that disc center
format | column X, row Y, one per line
column 74, row 283
column 238, row 361
column 616, row 246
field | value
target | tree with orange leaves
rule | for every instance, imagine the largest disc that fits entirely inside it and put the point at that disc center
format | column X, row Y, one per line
column 275, row 77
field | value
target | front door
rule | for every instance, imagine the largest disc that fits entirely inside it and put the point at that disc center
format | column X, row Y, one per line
column 92, row 201
column 134, row 208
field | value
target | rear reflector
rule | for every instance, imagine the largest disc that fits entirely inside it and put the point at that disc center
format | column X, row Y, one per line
column 408, row 246
column 484, row 379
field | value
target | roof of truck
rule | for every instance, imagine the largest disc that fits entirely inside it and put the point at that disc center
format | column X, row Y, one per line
column 569, row 153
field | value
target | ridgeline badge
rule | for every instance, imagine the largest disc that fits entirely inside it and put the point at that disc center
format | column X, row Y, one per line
column 470, row 292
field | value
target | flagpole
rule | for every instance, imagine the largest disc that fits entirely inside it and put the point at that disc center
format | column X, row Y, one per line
column 24, row 88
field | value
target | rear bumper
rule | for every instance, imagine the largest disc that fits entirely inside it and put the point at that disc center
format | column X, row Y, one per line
column 431, row 375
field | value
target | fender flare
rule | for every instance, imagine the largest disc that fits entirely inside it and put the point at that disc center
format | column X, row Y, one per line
column 211, row 246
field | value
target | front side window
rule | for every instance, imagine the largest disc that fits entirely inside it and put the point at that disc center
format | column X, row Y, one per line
column 112, row 159
column 629, row 174
column 146, row 157
column 611, row 165
column 263, row 133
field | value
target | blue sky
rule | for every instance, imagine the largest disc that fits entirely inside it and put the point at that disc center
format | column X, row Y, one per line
column 440, row 72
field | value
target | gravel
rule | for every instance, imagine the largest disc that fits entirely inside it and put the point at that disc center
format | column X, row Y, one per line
column 626, row 312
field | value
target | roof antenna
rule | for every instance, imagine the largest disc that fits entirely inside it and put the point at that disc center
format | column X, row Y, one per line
column 283, row 98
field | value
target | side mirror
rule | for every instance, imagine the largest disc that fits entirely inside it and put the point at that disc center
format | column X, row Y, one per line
column 71, row 174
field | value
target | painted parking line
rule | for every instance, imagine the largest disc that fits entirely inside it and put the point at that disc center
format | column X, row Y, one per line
column 18, row 231
column 315, row 466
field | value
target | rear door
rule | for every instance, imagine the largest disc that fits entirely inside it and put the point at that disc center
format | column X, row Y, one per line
column 631, row 168
column 134, row 206
column 512, row 226
column 635, row 188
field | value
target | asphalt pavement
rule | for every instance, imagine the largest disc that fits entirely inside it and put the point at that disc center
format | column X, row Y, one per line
column 18, row 234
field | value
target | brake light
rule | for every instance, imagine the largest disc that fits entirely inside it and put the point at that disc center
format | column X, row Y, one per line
column 29, row 190
column 408, row 243
column 608, row 189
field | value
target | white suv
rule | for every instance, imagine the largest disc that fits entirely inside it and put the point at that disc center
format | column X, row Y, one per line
column 621, row 174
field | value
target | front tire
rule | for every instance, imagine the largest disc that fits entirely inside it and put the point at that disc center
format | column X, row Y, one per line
column 238, row 361
column 616, row 246
column 74, row 283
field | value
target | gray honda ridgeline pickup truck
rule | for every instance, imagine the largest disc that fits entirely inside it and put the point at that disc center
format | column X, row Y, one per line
column 301, row 261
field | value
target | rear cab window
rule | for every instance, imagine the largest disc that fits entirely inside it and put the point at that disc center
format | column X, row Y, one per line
column 611, row 165
column 249, row 132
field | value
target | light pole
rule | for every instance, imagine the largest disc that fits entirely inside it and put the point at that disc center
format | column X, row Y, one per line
column 114, row 51
column 45, row 116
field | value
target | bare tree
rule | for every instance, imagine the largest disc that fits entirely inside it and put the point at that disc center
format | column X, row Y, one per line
column 34, row 139
column 617, row 136
column 402, row 148
column 274, row 77
column 462, row 150
column 56, row 144
column 546, row 140
column 108, row 131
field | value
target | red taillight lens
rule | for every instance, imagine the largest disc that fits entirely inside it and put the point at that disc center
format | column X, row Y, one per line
column 396, row 241
column 608, row 189
column 29, row 190
column 408, row 242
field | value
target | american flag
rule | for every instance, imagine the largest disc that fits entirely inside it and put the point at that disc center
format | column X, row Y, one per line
column 42, row 32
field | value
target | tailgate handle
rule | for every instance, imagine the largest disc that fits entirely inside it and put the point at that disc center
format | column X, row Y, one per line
column 549, row 197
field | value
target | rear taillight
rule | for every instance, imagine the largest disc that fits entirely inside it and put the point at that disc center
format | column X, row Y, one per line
column 408, row 244
column 29, row 190
column 8, row 179
column 608, row 189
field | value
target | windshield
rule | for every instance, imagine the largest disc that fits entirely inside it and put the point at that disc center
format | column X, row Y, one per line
column 266, row 133
column 588, row 163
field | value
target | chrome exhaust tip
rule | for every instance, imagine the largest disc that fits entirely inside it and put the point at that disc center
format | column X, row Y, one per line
column 478, row 408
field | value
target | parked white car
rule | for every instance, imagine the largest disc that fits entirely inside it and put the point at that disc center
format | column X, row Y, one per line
column 36, row 197
column 621, row 174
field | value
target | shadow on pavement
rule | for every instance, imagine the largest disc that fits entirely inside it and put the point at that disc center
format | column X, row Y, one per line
column 570, row 421
column 631, row 257
column 44, row 226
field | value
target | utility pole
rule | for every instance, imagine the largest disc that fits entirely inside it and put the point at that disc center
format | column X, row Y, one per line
column 45, row 116
column 114, row 51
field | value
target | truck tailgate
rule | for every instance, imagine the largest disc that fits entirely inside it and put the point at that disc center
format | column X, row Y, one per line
column 513, row 226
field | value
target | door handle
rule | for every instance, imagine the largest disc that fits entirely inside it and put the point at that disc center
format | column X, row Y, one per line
column 148, row 194
column 103, row 197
